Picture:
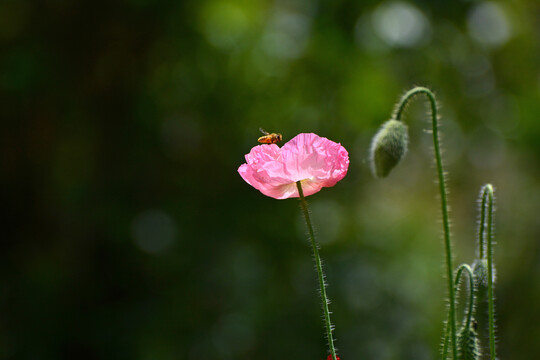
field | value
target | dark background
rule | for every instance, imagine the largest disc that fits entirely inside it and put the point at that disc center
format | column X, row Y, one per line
column 128, row 233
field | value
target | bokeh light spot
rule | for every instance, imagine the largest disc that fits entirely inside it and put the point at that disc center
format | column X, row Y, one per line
column 287, row 35
column 153, row 231
column 489, row 25
column 400, row 24
column 224, row 24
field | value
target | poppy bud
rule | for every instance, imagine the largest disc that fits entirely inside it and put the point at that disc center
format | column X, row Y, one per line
column 389, row 145
column 468, row 344
column 480, row 272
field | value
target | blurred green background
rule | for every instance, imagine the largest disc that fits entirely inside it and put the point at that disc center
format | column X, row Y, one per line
column 128, row 233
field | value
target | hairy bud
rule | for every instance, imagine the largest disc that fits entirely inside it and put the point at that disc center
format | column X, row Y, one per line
column 468, row 344
column 480, row 272
column 389, row 145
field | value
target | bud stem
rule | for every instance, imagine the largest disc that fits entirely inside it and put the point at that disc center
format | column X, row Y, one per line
column 444, row 202
column 482, row 227
column 320, row 273
column 468, row 270
column 487, row 194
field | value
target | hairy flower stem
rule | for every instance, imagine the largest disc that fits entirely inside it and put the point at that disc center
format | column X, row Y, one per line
column 488, row 193
column 444, row 202
column 482, row 226
column 322, row 285
column 468, row 270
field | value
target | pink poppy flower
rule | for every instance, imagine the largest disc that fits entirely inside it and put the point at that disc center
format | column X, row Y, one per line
column 313, row 160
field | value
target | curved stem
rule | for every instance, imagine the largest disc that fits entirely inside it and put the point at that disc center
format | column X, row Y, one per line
column 444, row 202
column 467, row 268
column 482, row 227
column 491, row 306
column 322, row 285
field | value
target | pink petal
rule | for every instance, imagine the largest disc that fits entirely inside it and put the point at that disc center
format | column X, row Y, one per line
column 316, row 161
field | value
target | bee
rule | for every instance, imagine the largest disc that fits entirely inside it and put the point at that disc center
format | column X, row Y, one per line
column 269, row 138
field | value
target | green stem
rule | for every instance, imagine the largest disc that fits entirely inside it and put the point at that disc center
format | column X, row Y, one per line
column 482, row 227
column 491, row 306
column 322, row 285
column 444, row 202
column 466, row 268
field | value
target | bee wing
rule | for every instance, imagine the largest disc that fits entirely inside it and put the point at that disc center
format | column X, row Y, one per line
column 264, row 131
